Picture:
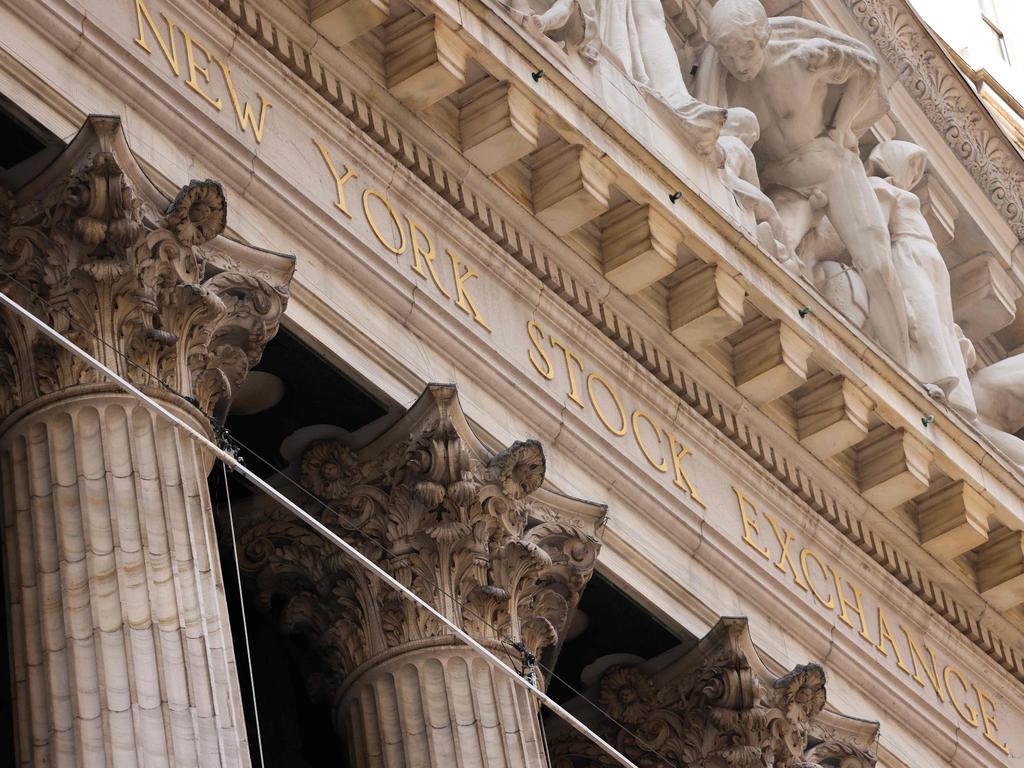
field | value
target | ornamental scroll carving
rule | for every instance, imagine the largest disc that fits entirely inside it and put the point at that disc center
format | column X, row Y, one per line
column 717, row 706
column 948, row 103
column 470, row 531
column 146, row 285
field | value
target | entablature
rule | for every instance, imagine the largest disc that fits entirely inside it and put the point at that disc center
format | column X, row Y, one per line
column 895, row 454
column 595, row 198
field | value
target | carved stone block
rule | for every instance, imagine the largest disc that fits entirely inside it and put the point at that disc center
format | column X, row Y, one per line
column 984, row 296
column 1001, row 569
column 892, row 467
column 498, row 124
column 705, row 306
column 832, row 414
column 953, row 520
column 638, row 245
column 769, row 360
column 425, row 61
column 342, row 21
column 570, row 186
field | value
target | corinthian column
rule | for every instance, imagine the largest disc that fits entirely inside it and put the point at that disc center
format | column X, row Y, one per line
column 470, row 531
column 715, row 705
column 121, row 646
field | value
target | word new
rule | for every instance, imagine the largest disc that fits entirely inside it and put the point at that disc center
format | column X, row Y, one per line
column 196, row 68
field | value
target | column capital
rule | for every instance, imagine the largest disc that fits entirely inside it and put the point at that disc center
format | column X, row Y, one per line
column 716, row 704
column 93, row 248
column 472, row 531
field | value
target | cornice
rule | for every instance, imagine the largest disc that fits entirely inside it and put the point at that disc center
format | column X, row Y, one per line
column 733, row 420
column 949, row 103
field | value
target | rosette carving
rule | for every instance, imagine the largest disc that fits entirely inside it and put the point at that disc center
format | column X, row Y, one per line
column 717, row 706
column 471, row 532
column 93, row 249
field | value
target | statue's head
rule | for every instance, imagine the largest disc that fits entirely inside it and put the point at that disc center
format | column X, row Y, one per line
column 902, row 162
column 742, row 123
column 739, row 31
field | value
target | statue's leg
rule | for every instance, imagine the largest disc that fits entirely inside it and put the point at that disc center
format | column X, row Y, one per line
column 960, row 398
column 654, row 47
column 797, row 216
column 854, row 212
column 1009, row 444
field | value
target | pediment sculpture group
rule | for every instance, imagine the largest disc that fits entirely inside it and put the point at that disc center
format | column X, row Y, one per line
column 780, row 104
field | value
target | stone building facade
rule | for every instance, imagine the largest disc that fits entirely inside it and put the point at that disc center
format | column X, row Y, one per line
column 669, row 349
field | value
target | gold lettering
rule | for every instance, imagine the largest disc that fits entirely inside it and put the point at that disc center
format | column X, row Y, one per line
column 682, row 479
column 916, row 658
column 464, row 301
column 244, row 113
column 805, row 555
column 620, row 431
column 537, row 336
column 749, row 523
column 420, row 255
column 989, row 719
column 960, row 708
column 785, row 539
column 637, row 415
column 884, row 634
column 395, row 249
column 570, row 358
column 193, row 68
column 845, row 606
column 169, row 49
column 339, row 181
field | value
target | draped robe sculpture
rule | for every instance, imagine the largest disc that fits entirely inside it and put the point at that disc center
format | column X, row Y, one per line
column 935, row 355
column 814, row 91
column 633, row 34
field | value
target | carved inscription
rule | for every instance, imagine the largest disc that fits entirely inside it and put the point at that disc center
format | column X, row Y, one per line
column 553, row 357
column 402, row 234
column 196, row 66
column 837, row 593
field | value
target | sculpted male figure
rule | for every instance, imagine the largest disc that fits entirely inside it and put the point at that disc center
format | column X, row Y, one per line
column 813, row 91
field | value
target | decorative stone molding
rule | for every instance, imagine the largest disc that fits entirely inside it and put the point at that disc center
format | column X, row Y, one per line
column 765, row 449
column 953, row 109
column 116, row 604
column 129, row 275
column 717, row 705
column 470, row 531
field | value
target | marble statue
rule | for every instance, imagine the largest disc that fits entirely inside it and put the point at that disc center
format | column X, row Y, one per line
column 634, row 35
column 999, row 394
column 814, row 91
column 936, row 357
column 740, row 174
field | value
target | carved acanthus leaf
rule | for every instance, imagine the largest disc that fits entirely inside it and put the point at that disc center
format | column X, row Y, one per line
column 717, row 706
column 458, row 526
column 89, row 248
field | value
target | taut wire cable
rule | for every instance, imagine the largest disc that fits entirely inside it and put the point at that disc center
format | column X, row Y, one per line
column 225, row 437
column 245, row 623
column 235, row 465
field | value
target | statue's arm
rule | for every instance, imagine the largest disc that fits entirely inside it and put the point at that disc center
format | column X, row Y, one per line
column 839, row 64
column 886, row 195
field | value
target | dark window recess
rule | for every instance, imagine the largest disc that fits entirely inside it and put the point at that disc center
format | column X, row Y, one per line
column 26, row 146
column 614, row 624
column 315, row 392
column 294, row 712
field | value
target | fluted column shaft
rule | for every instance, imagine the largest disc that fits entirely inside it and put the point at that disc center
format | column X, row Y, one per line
column 121, row 645
column 441, row 706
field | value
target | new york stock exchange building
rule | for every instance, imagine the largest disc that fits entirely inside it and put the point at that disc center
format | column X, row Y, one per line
column 526, row 384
